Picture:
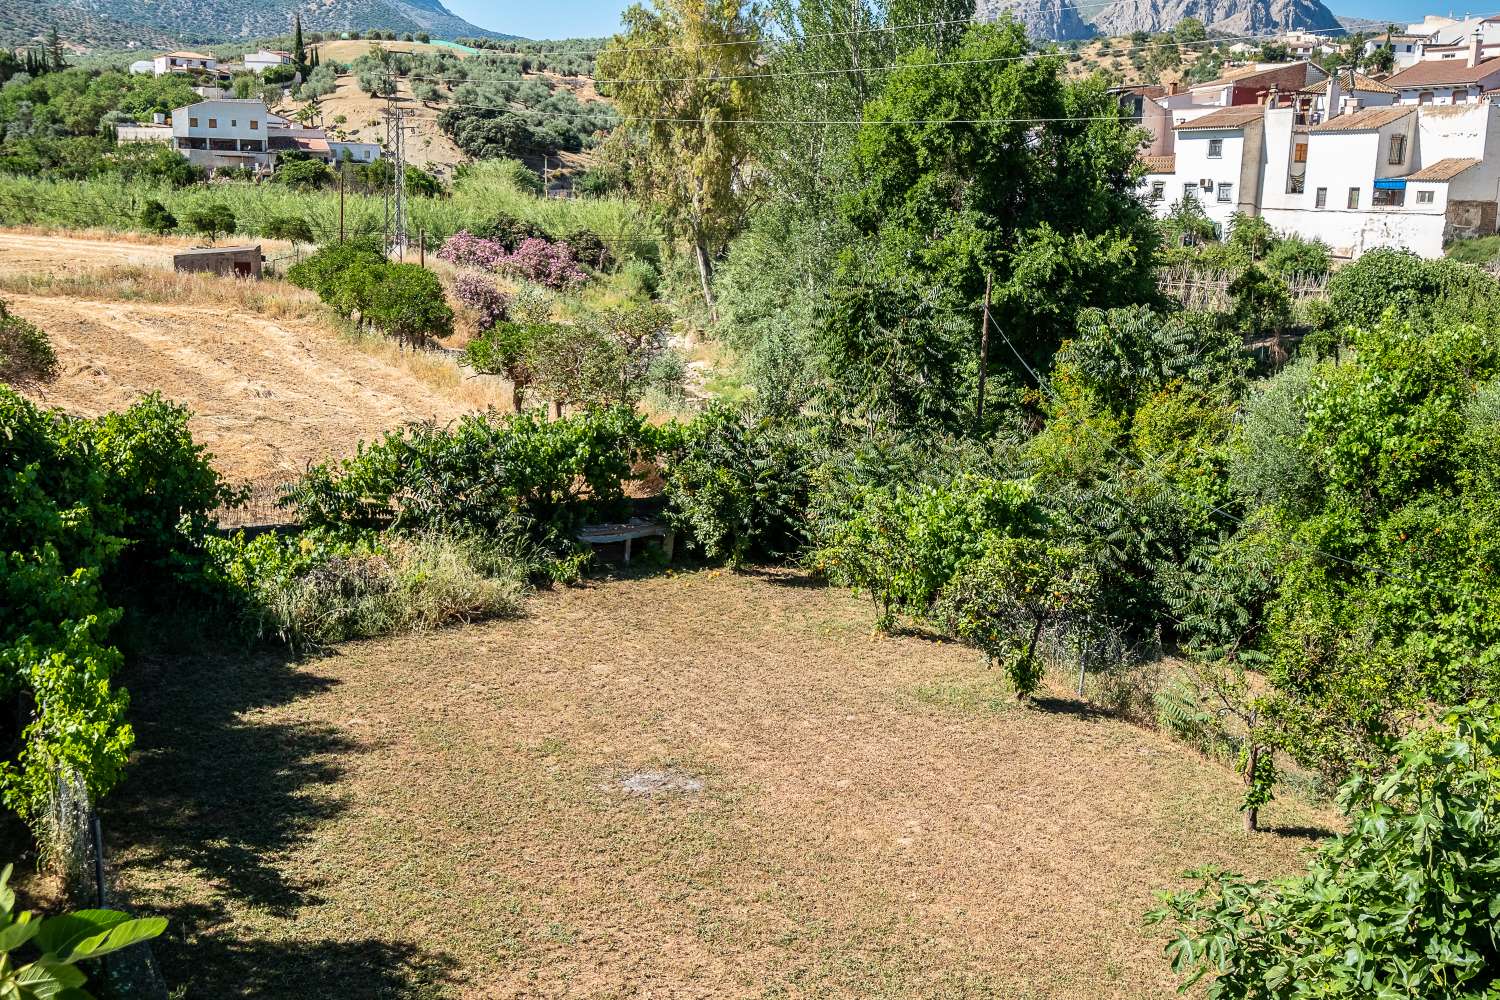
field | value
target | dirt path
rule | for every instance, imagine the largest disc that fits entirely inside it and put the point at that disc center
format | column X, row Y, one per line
column 267, row 396
column 26, row 252
column 843, row 816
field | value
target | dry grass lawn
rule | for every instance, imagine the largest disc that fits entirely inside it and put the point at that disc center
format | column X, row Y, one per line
column 448, row 815
column 272, row 380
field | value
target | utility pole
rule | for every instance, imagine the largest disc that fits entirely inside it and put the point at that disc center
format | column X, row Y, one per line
column 422, row 246
column 341, row 204
column 984, row 355
column 395, row 198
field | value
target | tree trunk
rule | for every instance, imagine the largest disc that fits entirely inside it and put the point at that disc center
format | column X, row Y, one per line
column 706, row 276
column 1252, row 761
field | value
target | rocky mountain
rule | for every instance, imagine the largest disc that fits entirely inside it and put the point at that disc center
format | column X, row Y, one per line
column 118, row 23
column 1231, row 16
column 1045, row 20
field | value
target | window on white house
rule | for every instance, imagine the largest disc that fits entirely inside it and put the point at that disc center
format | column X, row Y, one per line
column 1158, row 190
column 192, row 123
column 1424, row 197
column 1225, row 191
column 1320, row 199
column 1389, row 198
column 213, row 123
column 254, row 125
column 1190, row 190
column 1398, row 150
column 1354, row 197
column 1299, row 153
column 1215, row 149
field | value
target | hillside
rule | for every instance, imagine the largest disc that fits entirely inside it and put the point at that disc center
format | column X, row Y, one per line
column 1067, row 20
column 157, row 22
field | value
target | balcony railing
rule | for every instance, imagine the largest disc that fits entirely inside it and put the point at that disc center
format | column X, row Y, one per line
column 1296, row 183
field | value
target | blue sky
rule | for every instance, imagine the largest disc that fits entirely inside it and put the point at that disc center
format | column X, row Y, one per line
column 543, row 18
column 588, row 18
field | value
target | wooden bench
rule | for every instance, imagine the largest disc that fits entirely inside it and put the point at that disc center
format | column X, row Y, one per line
column 636, row 527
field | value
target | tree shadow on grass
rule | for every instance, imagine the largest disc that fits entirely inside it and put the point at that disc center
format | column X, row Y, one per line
column 1081, row 710
column 207, row 959
column 1313, row 833
column 217, row 790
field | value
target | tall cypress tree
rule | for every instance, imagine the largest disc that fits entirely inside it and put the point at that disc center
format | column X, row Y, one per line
column 299, row 51
column 54, row 46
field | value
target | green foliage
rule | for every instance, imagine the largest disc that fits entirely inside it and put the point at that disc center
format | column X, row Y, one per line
column 521, row 474
column 1415, row 289
column 156, row 218
column 954, row 205
column 26, row 355
column 739, row 485
column 321, row 587
column 1260, row 305
column 303, row 175
column 403, row 300
column 1481, row 250
column 288, row 227
column 211, row 221
column 1403, row 904
column 93, row 514
column 59, row 944
column 1386, row 600
column 903, row 544
column 1002, row 602
column 1292, row 257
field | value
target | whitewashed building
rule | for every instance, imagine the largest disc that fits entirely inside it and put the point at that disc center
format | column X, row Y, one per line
column 1400, row 175
column 1447, row 81
column 259, row 62
column 226, row 133
column 184, row 62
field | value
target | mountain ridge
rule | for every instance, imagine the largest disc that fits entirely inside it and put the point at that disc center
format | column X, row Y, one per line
column 117, row 23
column 1062, row 20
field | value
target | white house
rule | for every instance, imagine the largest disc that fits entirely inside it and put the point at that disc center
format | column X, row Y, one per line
column 184, row 62
column 1446, row 81
column 1399, row 175
column 259, row 62
column 143, row 67
column 225, row 132
column 1341, row 91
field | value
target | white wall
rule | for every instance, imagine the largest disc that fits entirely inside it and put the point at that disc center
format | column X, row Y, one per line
column 1194, row 164
column 1352, row 233
column 232, row 120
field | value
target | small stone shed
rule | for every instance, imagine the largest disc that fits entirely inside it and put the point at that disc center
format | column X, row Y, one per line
column 237, row 262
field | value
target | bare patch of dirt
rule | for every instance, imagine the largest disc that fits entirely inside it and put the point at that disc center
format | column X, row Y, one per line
column 442, row 815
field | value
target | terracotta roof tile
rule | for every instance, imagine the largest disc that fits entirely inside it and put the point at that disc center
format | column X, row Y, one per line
column 1236, row 117
column 1166, row 164
column 1367, row 120
column 1246, row 74
column 1443, row 170
column 1362, row 83
column 1441, row 72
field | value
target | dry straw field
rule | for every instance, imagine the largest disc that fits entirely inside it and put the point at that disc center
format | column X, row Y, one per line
column 692, row 785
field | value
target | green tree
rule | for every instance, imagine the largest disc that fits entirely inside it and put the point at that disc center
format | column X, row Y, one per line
column 287, row 227
column 213, row 220
column 1403, row 904
column 156, row 218
column 408, row 303
column 685, row 76
column 299, row 50
column 960, row 200
column 1261, row 305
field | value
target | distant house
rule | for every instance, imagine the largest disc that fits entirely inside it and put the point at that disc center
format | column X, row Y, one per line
column 259, row 62
column 144, row 67
column 1250, row 84
column 225, row 133
column 238, row 262
column 1447, row 81
column 184, row 62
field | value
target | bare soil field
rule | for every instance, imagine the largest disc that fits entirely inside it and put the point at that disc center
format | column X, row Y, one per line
column 691, row 785
column 427, row 146
column 272, row 382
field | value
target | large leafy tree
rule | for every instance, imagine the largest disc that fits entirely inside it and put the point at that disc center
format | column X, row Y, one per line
column 687, row 79
column 988, row 168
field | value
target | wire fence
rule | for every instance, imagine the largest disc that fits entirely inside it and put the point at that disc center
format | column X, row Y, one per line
column 1209, row 290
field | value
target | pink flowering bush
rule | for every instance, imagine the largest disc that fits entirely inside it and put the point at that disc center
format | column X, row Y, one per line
column 543, row 261
column 480, row 294
column 546, row 263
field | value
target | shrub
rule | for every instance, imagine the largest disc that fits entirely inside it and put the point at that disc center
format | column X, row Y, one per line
column 157, row 219
column 303, row 175
column 539, row 260
column 739, row 485
column 518, row 474
column 319, row 588
column 212, row 221
column 60, row 943
column 406, row 301
column 1417, row 290
column 1403, row 904
column 26, row 355
column 287, row 227
column 480, row 294
column 1293, row 257
column 903, row 544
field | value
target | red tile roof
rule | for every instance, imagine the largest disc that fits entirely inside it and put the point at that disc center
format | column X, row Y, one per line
column 1442, row 73
column 1236, row 117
